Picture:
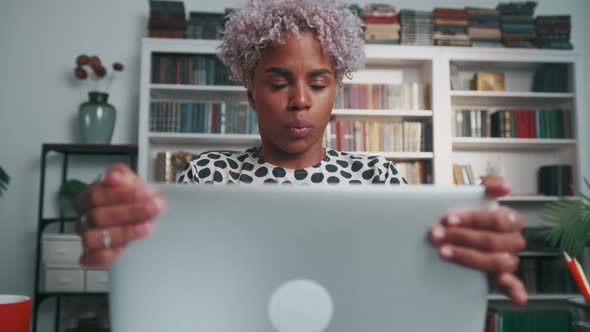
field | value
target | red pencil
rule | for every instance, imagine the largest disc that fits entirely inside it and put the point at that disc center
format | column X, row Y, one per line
column 579, row 276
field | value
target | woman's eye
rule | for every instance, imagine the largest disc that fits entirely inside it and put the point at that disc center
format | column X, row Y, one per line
column 317, row 87
column 278, row 86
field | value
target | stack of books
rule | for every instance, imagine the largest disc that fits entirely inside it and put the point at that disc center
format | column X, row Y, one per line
column 381, row 24
column 518, row 25
column 205, row 25
column 555, row 180
column 484, row 27
column 554, row 32
column 450, row 27
column 167, row 19
column 416, row 27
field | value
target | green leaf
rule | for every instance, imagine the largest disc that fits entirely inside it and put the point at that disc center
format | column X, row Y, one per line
column 72, row 188
column 4, row 180
column 571, row 220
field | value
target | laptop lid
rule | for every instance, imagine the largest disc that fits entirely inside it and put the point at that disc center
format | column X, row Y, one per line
column 297, row 259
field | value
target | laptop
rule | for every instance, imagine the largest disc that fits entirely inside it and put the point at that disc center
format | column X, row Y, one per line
column 298, row 259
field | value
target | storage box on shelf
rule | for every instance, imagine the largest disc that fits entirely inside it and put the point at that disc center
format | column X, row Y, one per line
column 62, row 271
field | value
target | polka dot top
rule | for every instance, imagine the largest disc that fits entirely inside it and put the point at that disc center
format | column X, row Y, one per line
column 225, row 167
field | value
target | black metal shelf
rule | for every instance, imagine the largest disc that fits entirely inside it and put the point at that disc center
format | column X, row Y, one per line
column 66, row 150
column 45, row 295
column 90, row 149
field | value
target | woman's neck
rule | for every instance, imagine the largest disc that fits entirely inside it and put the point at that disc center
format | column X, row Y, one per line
column 273, row 155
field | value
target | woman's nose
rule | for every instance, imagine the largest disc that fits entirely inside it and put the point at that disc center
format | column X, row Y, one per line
column 299, row 98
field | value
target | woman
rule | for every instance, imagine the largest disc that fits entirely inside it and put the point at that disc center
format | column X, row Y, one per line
column 291, row 55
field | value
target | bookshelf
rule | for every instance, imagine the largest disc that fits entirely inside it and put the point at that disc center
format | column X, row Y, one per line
column 518, row 158
column 395, row 64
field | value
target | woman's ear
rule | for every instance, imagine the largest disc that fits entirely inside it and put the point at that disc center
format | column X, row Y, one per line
column 251, row 100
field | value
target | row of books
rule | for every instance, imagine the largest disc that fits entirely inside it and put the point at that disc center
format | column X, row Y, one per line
column 518, row 123
column 509, row 24
column 531, row 320
column 546, row 275
column 406, row 96
column 552, row 77
column 463, row 174
column 376, row 136
column 190, row 69
column 416, row 172
column 381, row 24
column 167, row 19
column 555, row 180
column 218, row 118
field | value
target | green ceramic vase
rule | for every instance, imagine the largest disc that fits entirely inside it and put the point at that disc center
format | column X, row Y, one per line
column 97, row 119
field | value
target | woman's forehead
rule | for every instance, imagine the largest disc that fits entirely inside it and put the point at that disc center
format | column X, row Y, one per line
column 304, row 48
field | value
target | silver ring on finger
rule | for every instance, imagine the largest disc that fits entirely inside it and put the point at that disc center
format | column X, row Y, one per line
column 106, row 239
column 511, row 217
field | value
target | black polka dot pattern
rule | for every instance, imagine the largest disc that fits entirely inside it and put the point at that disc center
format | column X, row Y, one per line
column 222, row 167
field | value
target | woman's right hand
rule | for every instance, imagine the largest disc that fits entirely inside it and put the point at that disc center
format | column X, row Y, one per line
column 113, row 213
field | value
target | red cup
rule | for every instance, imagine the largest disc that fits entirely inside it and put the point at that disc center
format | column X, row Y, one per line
column 15, row 313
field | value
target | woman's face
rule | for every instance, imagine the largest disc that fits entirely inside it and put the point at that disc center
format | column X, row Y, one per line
column 293, row 94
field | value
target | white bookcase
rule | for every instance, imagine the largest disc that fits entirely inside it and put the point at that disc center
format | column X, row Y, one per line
column 390, row 64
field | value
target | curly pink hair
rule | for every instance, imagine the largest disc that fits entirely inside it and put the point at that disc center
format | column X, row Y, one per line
column 263, row 22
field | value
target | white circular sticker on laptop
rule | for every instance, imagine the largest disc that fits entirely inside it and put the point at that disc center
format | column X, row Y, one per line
column 300, row 306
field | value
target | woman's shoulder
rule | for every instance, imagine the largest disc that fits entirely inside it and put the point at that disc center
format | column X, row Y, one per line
column 375, row 169
column 216, row 166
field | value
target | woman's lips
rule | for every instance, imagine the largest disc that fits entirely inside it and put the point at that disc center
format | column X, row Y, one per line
column 299, row 132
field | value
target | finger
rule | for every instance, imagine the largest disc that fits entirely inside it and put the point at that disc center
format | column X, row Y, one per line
column 502, row 220
column 92, row 239
column 495, row 186
column 119, row 175
column 488, row 262
column 484, row 240
column 512, row 287
column 100, row 259
column 99, row 195
column 117, row 215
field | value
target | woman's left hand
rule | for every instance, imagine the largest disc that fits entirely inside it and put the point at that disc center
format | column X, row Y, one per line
column 485, row 240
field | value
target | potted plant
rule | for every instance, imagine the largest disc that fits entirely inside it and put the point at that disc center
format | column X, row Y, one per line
column 4, row 180
column 67, row 194
column 571, row 223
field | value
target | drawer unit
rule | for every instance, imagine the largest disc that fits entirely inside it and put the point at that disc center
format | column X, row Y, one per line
column 97, row 281
column 61, row 249
column 64, row 280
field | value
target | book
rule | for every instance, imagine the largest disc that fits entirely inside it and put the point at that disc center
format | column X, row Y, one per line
column 555, row 180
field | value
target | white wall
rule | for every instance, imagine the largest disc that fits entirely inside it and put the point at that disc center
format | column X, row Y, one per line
column 39, row 41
